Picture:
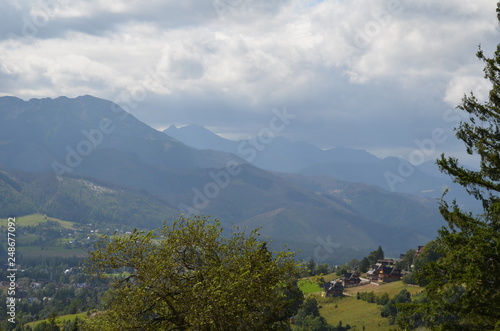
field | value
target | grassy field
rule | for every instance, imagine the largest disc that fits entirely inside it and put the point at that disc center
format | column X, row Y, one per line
column 354, row 312
column 60, row 320
column 36, row 219
column 390, row 288
column 360, row 313
column 36, row 251
column 307, row 286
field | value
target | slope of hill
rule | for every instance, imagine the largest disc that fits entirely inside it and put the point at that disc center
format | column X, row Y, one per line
column 120, row 170
column 360, row 314
column 201, row 138
column 12, row 200
column 80, row 200
column 417, row 214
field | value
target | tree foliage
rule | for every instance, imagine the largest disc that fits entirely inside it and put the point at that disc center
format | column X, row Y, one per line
column 408, row 260
column 308, row 318
column 391, row 307
column 312, row 268
column 364, row 265
column 463, row 285
column 341, row 270
column 190, row 277
column 376, row 255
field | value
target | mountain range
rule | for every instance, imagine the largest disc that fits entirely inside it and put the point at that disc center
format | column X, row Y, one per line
column 352, row 165
column 86, row 159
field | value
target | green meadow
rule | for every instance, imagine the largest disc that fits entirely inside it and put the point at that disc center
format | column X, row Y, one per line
column 60, row 320
column 35, row 219
column 307, row 286
column 50, row 251
column 359, row 314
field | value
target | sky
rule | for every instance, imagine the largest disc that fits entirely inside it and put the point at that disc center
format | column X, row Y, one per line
column 379, row 75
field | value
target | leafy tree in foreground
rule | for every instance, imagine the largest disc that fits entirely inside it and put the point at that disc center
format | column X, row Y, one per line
column 193, row 278
column 464, row 284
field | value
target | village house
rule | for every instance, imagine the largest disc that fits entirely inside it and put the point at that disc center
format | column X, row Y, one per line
column 333, row 289
column 372, row 274
column 383, row 271
column 350, row 279
column 389, row 274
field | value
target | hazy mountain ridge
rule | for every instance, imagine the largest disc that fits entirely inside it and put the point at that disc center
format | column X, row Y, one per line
column 175, row 177
column 382, row 207
column 279, row 155
column 49, row 130
column 352, row 165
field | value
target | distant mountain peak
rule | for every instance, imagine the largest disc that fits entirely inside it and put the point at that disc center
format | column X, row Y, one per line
column 66, row 131
column 200, row 137
column 11, row 98
column 278, row 154
column 196, row 128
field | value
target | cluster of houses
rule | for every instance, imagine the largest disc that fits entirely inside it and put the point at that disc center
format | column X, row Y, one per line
column 383, row 271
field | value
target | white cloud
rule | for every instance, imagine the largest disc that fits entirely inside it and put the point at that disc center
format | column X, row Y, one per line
column 462, row 85
column 350, row 68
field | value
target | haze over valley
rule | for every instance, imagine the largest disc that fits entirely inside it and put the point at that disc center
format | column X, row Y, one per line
column 85, row 159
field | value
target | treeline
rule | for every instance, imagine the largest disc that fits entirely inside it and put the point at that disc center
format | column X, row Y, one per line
column 364, row 265
column 312, row 268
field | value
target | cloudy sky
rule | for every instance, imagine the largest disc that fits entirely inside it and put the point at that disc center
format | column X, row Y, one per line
column 380, row 75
